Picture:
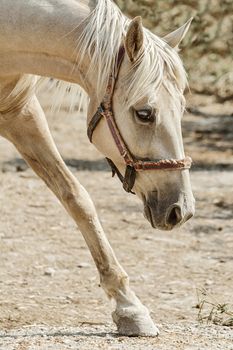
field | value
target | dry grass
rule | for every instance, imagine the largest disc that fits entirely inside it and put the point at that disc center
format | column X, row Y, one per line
column 212, row 311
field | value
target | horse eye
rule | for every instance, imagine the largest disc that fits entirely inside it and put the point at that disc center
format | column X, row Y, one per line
column 145, row 115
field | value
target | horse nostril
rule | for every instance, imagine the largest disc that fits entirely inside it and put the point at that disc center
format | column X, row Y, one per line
column 174, row 216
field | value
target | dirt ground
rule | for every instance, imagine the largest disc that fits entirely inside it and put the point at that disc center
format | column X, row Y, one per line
column 49, row 288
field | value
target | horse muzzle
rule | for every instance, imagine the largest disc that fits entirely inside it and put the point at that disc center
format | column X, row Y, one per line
column 166, row 217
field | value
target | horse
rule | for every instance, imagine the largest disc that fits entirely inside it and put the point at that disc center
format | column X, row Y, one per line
column 135, row 84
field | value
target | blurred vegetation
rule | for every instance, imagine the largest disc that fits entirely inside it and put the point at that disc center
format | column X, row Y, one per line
column 207, row 50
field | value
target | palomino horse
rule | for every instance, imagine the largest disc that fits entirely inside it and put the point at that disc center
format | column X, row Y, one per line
column 135, row 82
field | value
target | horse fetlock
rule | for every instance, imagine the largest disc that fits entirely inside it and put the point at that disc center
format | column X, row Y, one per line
column 114, row 283
column 134, row 321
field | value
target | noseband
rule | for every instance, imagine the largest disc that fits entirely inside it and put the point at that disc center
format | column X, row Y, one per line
column 133, row 165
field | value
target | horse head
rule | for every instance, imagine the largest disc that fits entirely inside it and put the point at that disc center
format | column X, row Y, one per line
column 147, row 103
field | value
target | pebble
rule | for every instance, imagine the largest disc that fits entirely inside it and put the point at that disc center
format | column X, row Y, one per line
column 83, row 265
column 49, row 271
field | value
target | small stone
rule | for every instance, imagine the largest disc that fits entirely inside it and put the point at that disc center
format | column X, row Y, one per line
column 83, row 265
column 49, row 271
column 208, row 283
column 219, row 203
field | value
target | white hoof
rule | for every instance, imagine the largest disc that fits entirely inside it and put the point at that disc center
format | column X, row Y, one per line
column 135, row 323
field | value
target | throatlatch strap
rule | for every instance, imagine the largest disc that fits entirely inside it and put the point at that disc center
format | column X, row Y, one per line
column 129, row 179
column 124, row 180
column 94, row 122
column 115, row 170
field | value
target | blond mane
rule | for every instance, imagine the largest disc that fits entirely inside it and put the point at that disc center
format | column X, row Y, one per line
column 101, row 40
column 104, row 31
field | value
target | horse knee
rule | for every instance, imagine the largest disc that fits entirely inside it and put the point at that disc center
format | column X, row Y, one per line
column 67, row 196
column 78, row 202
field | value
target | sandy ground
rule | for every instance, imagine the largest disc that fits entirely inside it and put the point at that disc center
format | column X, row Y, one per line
column 49, row 288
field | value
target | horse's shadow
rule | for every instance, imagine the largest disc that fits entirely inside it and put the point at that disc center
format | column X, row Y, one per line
column 19, row 165
column 55, row 334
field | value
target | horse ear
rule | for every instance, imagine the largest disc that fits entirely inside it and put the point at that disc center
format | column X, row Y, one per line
column 174, row 38
column 134, row 39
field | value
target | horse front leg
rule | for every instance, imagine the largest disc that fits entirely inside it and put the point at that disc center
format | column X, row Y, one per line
column 29, row 132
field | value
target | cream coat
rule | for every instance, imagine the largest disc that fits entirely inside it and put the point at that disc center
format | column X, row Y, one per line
column 52, row 38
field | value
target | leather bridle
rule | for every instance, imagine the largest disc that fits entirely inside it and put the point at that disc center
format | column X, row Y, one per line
column 133, row 165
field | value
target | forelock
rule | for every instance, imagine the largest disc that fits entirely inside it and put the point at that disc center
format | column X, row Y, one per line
column 159, row 64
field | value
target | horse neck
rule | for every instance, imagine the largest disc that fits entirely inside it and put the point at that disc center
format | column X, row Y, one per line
column 40, row 37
